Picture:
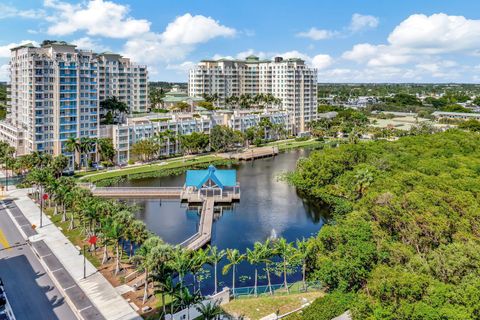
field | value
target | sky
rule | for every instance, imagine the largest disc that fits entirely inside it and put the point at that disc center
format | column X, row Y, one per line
column 346, row 40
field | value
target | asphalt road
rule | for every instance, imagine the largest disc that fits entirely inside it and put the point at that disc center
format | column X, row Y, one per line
column 29, row 289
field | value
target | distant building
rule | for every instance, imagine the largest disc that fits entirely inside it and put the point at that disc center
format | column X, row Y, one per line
column 175, row 96
column 290, row 80
column 119, row 77
column 456, row 115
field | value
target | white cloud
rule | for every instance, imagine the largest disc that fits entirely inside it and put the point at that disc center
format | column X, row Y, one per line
column 360, row 22
column 317, row 34
column 438, row 33
column 96, row 18
column 7, row 11
column 361, row 52
column 87, row 43
column 190, row 30
column 177, row 41
column 322, row 61
column 5, row 50
column 417, row 39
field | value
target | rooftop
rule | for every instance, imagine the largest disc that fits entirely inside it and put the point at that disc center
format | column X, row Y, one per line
column 221, row 178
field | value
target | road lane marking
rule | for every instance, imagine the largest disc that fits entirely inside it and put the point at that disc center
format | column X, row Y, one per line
column 3, row 240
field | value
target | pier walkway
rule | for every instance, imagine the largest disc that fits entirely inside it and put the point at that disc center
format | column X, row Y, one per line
column 252, row 154
column 135, row 192
column 204, row 234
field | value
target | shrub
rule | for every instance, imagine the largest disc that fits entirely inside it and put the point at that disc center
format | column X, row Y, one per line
column 328, row 307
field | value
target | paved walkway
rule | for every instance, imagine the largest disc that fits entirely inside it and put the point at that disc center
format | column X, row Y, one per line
column 99, row 291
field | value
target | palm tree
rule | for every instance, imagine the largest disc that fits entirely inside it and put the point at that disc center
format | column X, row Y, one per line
column 210, row 311
column 200, row 257
column 115, row 232
column 105, row 227
column 181, row 262
column 234, row 257
column 254, row 257
column 86, row 146
column 146, row 263
column 73, row 145
column 284, row 249
column 267, row 254
column 171, row 288
column 303, row 250
column 160, row 255
column 188, row 299
column 215, row 257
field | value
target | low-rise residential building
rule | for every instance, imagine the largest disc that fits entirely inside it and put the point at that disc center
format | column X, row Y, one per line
column 456, row 115
column 167, row 127
column 175, row 96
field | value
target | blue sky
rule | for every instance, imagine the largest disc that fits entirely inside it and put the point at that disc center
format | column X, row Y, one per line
column 347, row 40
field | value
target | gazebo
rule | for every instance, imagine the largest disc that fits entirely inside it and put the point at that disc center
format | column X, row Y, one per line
column 206, row 182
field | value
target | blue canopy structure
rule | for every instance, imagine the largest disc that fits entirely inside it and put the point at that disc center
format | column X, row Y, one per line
column 201, row 178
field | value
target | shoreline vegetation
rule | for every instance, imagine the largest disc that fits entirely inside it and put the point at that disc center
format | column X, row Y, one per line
column 404, row 242
column 177, row 166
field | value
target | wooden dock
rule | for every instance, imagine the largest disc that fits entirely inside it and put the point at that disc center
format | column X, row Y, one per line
column 208, row 198
column 204, row 234
column 252, row 154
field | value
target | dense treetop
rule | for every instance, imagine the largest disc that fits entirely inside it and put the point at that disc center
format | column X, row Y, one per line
column 405, row 235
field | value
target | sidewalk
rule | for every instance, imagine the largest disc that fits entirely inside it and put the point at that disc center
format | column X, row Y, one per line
column 100, row 292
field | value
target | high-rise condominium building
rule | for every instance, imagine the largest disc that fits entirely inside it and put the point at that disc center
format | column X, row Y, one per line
column 55, row 94
column 290, row 80
column 119, row 77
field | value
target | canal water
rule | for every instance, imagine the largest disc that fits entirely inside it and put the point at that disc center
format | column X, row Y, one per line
column 269, row 207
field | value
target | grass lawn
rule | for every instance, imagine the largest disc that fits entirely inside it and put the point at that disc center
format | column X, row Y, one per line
column 172, row 164
column 75, row 236
column 256, row 308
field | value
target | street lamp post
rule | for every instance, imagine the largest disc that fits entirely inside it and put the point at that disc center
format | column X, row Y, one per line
column 84, row 263
column 43, row 198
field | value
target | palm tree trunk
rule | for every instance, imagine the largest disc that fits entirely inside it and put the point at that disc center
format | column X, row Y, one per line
column 304, row 267
column 105, row 254
column 72, row 223
column 268, row 278
column 163, row 305
column 215, row 276
column 145, row 291
column 117, row 266
column 233, row 282
column 285, row 274
column 256, row 278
